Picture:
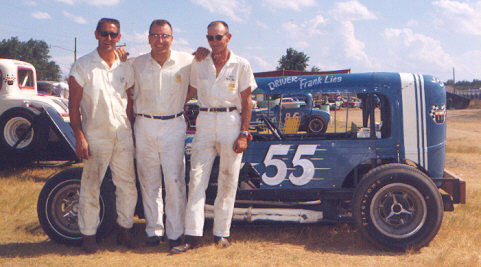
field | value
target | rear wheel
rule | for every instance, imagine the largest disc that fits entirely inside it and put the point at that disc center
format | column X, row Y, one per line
column 316, row 125
column 397, row 207
column 19, row 134
column 57, row 207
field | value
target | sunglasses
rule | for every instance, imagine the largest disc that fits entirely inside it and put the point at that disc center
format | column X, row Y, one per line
column 161, row 36
column 112, row 34
column 218, row 37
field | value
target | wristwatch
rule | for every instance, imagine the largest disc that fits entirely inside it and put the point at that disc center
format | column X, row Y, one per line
column 245, row 133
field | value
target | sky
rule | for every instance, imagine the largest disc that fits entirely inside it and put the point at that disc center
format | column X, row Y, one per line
column 427, row 37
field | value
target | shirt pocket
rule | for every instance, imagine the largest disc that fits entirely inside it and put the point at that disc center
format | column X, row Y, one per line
column 146, row 84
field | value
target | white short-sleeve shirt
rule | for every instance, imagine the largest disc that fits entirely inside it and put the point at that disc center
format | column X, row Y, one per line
column 223, row 90
column 104, row 99
column 161, row 90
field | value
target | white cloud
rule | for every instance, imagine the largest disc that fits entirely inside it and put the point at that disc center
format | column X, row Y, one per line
column 353, row 48
column 308, row 28
column 101, row 2
column 263, row 64
column 41, row 15
column 418, row 48
column 352, row 10
column 68, row 2
column 468, row 65
column 458, row 16
column 136, row 37
column 262, row 25
column 91, row 2
column 291, row 5
column 237, row 10
column 30, row 3
column 75, row 18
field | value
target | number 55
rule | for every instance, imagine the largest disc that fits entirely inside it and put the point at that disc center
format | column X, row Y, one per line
column 308, row 168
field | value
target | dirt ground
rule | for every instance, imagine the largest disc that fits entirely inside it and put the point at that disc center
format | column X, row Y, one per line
column 458, row 243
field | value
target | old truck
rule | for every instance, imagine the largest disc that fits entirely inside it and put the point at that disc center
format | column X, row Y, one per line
column 26, row 132
column 311, row 119
column 379, row 166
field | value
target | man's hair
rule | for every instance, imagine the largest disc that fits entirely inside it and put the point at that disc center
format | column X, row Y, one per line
column 213, row 23
column 102, row 21
column 159, row 22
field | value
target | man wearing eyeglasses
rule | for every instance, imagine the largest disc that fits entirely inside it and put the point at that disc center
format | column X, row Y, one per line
column 223, row 82
column 161, row 82
column 97, row 104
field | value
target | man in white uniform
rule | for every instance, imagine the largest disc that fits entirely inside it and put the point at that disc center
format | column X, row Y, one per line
column 161, row 82
column 223, row 82
column 97, row 103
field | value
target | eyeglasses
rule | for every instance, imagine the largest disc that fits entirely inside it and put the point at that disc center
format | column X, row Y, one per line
column 161, row 36
column 112, row 34
column 218, row 37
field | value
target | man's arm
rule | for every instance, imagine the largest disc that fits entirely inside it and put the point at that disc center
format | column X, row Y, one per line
column 191, row 92
column 240, row 145
column 130, row 105
column 75, row 96
column 201, row 53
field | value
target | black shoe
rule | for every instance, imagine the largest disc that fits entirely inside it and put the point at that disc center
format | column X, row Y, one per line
column 191, row 243
column 152, row 241
column 125, row 237
column 221, row 241
column 89, row 244
column 175, row 242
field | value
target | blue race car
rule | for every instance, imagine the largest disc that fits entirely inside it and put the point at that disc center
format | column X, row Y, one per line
column 379, row 165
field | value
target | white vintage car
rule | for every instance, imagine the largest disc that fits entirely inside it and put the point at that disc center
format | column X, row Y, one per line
column 21, row 132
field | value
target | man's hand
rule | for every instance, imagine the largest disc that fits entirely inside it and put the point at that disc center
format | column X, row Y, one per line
column 122, row 54
column 240, row 144
column 82, row 148
column 201, row 53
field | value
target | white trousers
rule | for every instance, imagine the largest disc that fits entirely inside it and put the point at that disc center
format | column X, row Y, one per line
column 118, row 153
column 160, row 149
column 215, row 135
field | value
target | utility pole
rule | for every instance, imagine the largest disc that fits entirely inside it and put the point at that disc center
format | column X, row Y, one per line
column 75, row 51
column 454, row 81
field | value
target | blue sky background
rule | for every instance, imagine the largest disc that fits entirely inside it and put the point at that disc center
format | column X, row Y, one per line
column 429, row 37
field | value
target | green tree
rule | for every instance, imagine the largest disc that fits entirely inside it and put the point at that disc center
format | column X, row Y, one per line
column 34, row 52
column 293, row 60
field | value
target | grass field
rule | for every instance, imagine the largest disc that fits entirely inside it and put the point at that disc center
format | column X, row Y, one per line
column 458, row 243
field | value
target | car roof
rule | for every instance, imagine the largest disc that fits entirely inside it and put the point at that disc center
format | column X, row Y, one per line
column 332, row 83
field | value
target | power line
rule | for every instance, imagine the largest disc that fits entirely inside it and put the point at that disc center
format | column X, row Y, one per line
column 70, row 50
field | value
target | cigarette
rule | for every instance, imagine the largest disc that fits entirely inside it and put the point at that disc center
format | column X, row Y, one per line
column 121, row 45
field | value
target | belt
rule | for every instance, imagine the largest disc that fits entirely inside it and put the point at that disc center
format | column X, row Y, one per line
column 218, row 109
column 168, row 117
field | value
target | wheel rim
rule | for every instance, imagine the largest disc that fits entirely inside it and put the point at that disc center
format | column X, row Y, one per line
column 14, row 129
column 64, row 209
column 315, row 125
column 398, row 210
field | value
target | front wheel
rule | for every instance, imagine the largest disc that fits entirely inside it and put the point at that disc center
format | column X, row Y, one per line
column 316, row 125
column 58, row 204
column 397, row 207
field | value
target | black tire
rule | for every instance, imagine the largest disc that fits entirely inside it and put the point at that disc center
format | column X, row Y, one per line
column 316, row 125
column 397, row 207
column 14, row 124
column 57, row 207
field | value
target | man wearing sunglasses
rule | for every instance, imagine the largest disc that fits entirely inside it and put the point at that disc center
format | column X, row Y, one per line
column 223, row 82
column 97, row 104
column 161, row 82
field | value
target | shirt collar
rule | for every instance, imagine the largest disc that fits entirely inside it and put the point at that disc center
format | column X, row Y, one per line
column 170, row 61
column 97, row 58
